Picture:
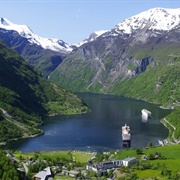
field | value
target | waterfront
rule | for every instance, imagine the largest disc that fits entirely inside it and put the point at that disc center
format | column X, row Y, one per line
column 99, row 130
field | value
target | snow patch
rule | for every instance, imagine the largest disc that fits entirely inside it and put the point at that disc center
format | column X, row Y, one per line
column 161, row 19
column 26, row 32
column 92, row 37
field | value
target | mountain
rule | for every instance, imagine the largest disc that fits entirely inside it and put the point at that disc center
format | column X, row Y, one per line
column 148, row 41
column 156, row 19
column 43, row 53
column 26, row 32
column 93, row 36
column 26, row 97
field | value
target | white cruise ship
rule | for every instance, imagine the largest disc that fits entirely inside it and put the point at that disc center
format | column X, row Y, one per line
column 146, row 113
column 126, row 136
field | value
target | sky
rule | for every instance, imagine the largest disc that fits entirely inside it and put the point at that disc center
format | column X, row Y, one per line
column 74, row 20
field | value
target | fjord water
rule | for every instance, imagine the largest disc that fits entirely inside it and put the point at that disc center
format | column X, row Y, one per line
column 99, row 130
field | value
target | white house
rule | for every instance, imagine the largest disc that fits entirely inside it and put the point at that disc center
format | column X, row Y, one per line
column 102, row 167
column 43, row 175
column 129, row 161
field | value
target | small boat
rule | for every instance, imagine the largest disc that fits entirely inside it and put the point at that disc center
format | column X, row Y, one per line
column 146, row 113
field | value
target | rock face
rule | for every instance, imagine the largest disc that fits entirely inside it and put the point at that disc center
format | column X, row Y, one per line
column 145, row 40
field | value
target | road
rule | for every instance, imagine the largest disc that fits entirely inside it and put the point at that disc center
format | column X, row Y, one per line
column 174, row 129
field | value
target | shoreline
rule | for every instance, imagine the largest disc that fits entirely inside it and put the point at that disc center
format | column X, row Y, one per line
column 2, row 144
column 77, row 149
column 171, row 132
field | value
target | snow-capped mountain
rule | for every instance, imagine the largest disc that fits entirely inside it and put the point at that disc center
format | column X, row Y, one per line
column 26, row 32
column 155, row 20
column 159, row 19
column 92, row 37
column 145, row 40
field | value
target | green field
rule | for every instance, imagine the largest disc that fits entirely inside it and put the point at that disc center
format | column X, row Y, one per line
column 169, row 152
column 79, row 156
column 82, row 157
column 149, row 174
column 168, row 163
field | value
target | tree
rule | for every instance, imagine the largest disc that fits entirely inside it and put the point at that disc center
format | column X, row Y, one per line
column 8, row 169
column 36, row 155
column 99, row 157
column 151, row 156
column 150, row 144
column 4, row 177
column 110, row 173
column 139, row 151
column 176, row 176
column 165, row 172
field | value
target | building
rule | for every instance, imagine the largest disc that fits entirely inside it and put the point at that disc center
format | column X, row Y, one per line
column 129, row 161
column 12, row 158
column 71, row 173
column 102, row 167
column 43, row 175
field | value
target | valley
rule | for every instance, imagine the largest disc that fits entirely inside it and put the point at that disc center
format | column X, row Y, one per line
column 138, row 59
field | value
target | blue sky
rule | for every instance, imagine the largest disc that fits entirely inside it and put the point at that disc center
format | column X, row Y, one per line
column 74, row 20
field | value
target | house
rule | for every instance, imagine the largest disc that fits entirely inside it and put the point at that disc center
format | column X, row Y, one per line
column 43, row 175
column 71, row 173
column 65, row 172
column 129, row 161
column 12, row 158
column 102, row 167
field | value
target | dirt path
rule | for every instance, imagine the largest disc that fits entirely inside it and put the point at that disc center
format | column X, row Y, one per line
column 10, row 119
column 174, row 128
column 5, row 113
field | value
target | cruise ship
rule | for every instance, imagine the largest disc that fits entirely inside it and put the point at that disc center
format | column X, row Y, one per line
column 146, row 113
column 126, row 136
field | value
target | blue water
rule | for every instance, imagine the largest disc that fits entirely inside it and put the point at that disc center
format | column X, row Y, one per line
column 99, row 130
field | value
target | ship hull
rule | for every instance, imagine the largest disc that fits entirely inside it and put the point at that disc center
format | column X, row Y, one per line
column 126, row 143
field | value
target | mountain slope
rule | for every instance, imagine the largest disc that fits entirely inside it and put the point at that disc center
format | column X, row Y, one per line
column 159, row 84
column 125, row 51
column 43, row 53
column 26, row 97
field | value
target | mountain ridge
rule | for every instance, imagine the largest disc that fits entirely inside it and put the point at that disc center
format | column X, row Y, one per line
column 122, row 53
column 162, row 19
column 44, row 54
column 45, row 43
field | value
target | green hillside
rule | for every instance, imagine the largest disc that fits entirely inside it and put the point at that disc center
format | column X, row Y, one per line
column 159, row 84
column 42, row 59
column 25, row 97
column 8, row 169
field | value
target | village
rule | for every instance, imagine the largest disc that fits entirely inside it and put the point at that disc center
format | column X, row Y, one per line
column 151, row 162
column 54, row 169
